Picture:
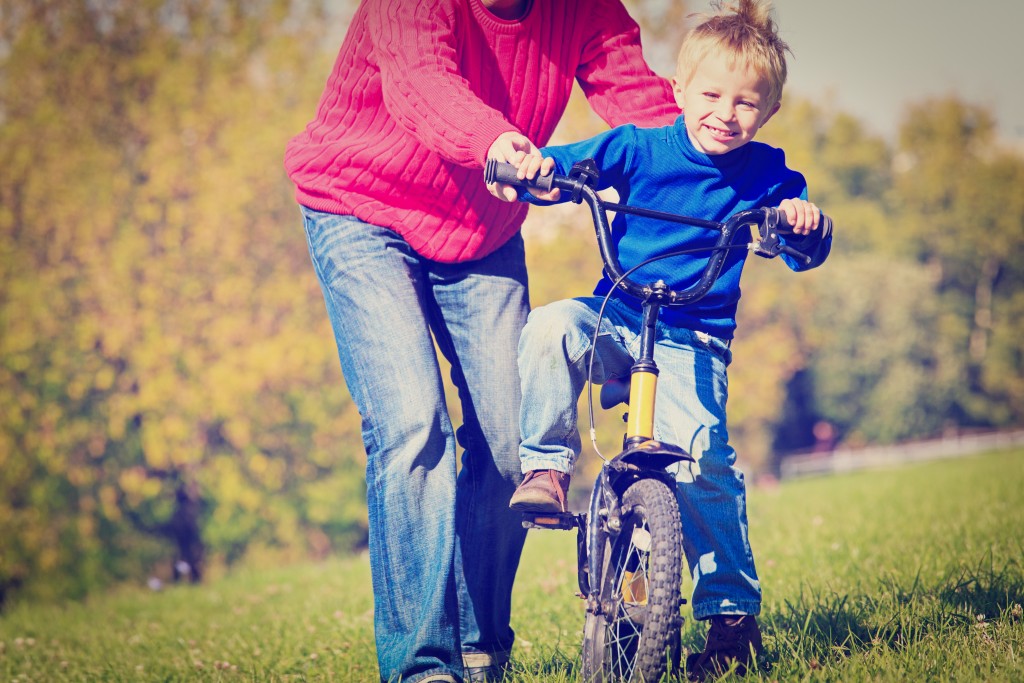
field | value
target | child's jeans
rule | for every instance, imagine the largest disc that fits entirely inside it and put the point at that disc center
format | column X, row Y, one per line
column 689, row 412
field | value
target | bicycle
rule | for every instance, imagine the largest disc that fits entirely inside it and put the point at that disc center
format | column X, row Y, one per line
column 629, row 541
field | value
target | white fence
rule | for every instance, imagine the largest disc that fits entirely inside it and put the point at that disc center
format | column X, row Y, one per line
column 849, row 460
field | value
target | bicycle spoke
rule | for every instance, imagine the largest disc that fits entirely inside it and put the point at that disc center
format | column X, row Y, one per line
column 627, row 640
column 626, row 623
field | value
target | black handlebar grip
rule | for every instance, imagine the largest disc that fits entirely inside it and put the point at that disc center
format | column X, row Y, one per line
column 782, row 222
column 502, row 172
column 783, row 227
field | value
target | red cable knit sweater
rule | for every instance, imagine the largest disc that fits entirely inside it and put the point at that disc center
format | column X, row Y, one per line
column 420, row 90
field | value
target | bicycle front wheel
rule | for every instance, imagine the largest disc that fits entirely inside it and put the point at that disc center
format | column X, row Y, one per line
column 636, row 635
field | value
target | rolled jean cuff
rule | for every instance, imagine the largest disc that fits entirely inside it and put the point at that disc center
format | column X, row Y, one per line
column 532, row 462
column 706, row 610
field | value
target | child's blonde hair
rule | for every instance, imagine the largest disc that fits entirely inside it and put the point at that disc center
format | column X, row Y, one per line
column 743, row 29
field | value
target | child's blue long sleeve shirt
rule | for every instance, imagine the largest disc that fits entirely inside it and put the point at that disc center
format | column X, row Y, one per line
column 659, row 168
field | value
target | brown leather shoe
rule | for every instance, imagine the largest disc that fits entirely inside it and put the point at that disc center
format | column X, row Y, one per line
column 542, row 491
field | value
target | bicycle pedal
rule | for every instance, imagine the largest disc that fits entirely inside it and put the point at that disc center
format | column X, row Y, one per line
column 549, row 520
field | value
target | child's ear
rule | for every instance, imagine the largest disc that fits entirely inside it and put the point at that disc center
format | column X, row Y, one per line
column 677, row 92
column 775, row 108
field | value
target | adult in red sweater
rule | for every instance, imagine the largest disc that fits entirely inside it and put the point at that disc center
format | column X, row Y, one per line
column 411, row 248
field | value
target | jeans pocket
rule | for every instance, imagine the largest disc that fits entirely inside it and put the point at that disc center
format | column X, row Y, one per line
column 719, row 347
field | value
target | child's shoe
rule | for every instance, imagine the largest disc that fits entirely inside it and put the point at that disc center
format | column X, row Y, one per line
column 542, row 491
column 730, row 639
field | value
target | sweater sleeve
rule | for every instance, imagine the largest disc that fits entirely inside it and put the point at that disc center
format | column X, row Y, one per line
column 614, row 76
column 613, row 152
column 422, row 88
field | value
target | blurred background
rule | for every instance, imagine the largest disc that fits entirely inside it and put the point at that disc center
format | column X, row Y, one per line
column 170, row 398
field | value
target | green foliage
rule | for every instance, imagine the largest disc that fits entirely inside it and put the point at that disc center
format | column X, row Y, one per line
column 905, row 574
column 877, row 377
column 959, row 194
column 161, row 326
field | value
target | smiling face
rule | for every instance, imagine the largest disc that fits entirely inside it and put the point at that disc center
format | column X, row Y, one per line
column 724, row 104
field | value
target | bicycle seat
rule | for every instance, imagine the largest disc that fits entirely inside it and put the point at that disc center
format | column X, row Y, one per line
column 614, row 392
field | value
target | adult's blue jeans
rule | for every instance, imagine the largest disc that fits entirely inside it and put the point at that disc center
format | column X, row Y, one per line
column 689, row 412
column 444, row 547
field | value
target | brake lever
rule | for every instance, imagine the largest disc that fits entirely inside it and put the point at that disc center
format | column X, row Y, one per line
column 770, row 247
column 585, row 172
column 799, row 255
column 768, row 244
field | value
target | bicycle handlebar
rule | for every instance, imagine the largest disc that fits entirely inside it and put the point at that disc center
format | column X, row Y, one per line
column 770, row 222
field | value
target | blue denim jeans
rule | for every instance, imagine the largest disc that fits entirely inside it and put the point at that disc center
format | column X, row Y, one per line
column 444, row 546
column 689, row 412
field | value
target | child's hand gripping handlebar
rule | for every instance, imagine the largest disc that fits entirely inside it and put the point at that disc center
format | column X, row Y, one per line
column 770, row 221
column 775, row 224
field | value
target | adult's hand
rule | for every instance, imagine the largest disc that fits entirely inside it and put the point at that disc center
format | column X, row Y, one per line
column 511, row 147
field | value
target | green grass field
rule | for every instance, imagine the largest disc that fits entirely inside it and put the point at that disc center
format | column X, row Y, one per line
column 906, row 574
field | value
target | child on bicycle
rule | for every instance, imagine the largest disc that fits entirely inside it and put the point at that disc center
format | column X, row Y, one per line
column 728, row 82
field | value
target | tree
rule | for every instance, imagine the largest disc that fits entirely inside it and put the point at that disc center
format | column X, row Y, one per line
column 162, row 333
column 958, row 195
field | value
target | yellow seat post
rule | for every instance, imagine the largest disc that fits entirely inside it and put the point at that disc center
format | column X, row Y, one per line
column 643, row 381
column 642, row 389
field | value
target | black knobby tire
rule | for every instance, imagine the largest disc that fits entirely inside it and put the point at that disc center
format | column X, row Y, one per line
column 637, row 637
